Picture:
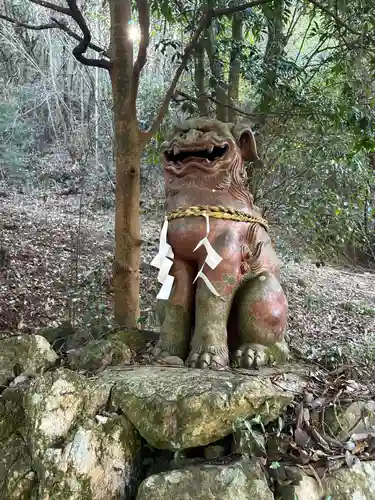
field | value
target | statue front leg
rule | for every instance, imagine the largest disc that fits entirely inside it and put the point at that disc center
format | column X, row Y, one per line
column 177, row 314
column 209, row 345
column 258, row 323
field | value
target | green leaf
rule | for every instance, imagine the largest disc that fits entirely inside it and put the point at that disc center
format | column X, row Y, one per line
column 275, row 465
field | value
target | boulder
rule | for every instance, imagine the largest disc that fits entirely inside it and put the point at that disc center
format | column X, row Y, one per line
column 59, row 335
column 179, row 408
column 24, row 353
column 307, row 489
column 241, row 480
column 97, row 354
column 60, row 444
column 356, row 483
column 135, row 338
column 355, row 418
column 99, row 461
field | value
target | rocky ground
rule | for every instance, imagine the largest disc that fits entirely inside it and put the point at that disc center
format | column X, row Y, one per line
column 156, row 432
column 55, row 264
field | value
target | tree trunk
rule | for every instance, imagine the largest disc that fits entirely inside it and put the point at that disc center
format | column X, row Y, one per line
column 128, row 146
column 371, row 187
column 199, row 74
column 217, row 73
column 276, row 42
column 275, row 46
column 235, row 65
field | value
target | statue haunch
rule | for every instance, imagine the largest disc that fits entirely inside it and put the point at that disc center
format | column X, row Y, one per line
column 216, row 312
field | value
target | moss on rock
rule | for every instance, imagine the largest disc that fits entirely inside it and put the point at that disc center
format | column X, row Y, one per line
column 242, row 480
column 24, row 353
column 182, row 408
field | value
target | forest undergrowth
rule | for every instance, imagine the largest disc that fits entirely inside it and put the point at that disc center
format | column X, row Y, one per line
column 56, row 255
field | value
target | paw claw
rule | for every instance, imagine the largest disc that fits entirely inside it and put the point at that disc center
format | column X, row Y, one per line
column 194, row 358
column 160, row 355
column 205, row 358
column 208, row 357
column 155, row 351
column 251, row 356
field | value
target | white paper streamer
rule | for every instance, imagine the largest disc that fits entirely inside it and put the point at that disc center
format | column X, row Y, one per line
column 165, row 250
column 166, row 288
column 210, row 286
column 213, row 259
column 164, row 264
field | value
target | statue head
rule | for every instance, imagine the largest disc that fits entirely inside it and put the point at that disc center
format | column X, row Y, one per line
column 209, row 155
column 207, row 145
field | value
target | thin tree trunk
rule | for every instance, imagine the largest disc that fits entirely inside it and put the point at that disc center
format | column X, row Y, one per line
column 217, row 73
column 235, row 65
column 96, row 96
column 199, row 74
column 128, row 144
column 275, row 46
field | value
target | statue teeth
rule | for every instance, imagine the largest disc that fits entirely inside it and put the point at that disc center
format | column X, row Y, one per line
column 210, row 148
column 176, row 150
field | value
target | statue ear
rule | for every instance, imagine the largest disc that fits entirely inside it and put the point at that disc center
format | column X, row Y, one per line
column 245, row 141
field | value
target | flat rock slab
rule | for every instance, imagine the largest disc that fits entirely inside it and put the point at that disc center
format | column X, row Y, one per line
column 243, row 480
column 179, row 408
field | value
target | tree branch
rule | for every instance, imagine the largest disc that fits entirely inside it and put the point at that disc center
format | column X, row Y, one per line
column 334, row 16
column 84, row 43
column 144, row 25
column 212, row 99
column 226, row 11
column 52, row 6
column 203, row 24
column 74, row 35
column 284, row 181
column 252, row 116
column 36, row 27
column 55, row 24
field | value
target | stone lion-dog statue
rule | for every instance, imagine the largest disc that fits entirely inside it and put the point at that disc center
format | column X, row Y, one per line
column 221, row 301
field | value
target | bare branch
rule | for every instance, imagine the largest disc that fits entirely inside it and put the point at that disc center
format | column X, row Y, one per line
column 55, row 24
column 144, row 24
column 286, row 180
column 83, row 45
column 36, row 27
column 52, row 6
column 74, row 35
column 202, row 25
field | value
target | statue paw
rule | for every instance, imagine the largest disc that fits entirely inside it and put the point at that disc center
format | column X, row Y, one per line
column 256, row 355
column 213, row 357
column 160, row 354
column 251, row 356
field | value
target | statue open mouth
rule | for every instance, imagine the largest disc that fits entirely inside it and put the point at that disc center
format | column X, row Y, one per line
column 181, row 156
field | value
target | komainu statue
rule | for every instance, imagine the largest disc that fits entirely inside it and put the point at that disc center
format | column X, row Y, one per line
column 221, row 300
